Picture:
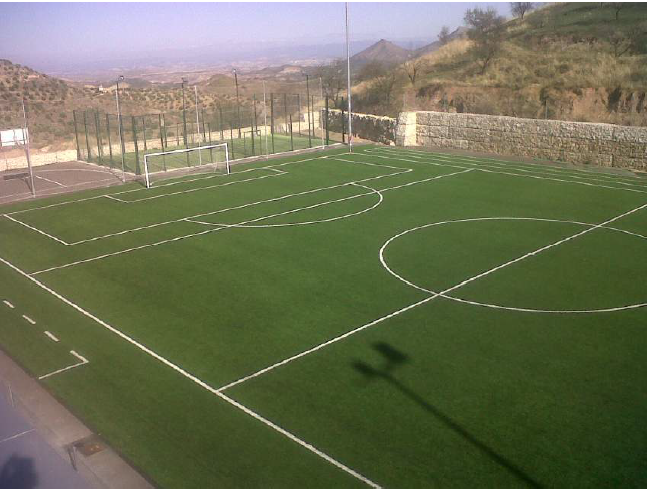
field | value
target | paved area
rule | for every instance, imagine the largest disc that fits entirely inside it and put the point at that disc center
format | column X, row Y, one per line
column 54, row 179
column 43, row 446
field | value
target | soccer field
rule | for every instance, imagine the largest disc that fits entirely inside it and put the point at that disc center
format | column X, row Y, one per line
column 388, row 317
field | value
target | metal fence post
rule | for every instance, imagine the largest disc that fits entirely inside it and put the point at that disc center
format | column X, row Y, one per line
column 76, row 136
column 137, row 168
column 112, row 164
column 272, row 119
column 97, row 130
column 87, row 140
column 326, row 124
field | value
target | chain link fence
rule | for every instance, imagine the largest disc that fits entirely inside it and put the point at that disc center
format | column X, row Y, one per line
column 262, row 125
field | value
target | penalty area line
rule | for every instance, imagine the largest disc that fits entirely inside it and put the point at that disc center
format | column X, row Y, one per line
column 187, row 375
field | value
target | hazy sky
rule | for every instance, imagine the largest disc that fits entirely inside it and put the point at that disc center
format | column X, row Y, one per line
column 58, row 31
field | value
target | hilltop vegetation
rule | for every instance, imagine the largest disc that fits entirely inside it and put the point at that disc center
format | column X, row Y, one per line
column 50, row 101
column 566, row 61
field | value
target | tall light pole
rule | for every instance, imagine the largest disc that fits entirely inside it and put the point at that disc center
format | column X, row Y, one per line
column 121, row 132
column 197, row 121
column 267, row 151
column 186, row 142
column 237, row 100
column 350, row 128
column 308, row 105
column 320, row 114
column 25, row 139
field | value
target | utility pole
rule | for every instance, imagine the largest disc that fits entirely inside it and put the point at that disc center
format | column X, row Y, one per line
column 197, row 121
column 186, row 143
column 237, row 100
column 186, row 140
column 350, row 127
column 308, row 104
column 121, row 132
column 320, row 118
column 267, row 151
column 25, row 139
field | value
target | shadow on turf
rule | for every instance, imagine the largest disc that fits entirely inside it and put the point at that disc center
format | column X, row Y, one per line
column 394, row 358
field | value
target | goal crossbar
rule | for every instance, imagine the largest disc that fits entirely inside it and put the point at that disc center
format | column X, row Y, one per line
column 147, row 173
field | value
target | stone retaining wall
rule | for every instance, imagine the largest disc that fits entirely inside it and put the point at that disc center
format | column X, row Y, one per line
column 37, row 159
column 365, row 126
column 573, row 142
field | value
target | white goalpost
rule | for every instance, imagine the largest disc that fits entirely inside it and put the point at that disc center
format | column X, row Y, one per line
column 212, row 158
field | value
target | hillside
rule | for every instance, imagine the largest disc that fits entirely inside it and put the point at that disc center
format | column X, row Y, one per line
column 50, row 101
column 382, row 51
column 436, row 45
column 564, row 61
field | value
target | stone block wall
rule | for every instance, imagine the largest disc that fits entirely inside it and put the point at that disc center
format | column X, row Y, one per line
column 573, row 142
column 365, row 126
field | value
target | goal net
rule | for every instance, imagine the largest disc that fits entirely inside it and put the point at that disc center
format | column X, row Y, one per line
column 212, row 158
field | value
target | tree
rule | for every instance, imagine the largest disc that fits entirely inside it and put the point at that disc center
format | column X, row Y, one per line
column 382, row 88
column 412, row 68
column 625, row 42
column 519, row 9
column 370, row 70
column 618, row 6
column 486, row 32
column 333, row 78
column 444, row 34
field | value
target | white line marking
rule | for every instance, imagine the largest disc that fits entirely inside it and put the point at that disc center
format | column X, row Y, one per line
column 28, row 319
column 8, row 304
column 220, row 226
column 58, row 240
column 17, row 436
column 479, row 166
column 189, row 376
column 198, row 189
column 68, row 202
column 51, row 336
column 111, row 196
column 495, row 306
column 423, row 301
column 538, row 167
column 82, row 361
column 53, row 191
column 50, row 180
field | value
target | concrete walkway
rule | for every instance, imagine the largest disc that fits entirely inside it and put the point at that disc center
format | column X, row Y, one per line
column 42, row 445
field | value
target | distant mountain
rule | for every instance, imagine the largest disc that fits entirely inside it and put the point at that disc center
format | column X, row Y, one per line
column 433, row 46
column 382, row 51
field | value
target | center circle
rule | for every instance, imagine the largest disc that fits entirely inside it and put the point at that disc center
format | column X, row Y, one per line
column 371, row 192
column 447, row 294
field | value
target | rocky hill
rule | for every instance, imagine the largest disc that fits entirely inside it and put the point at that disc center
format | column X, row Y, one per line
column 570, row 61
column 382, row 51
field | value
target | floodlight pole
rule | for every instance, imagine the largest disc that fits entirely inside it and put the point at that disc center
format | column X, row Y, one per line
column 308, row 105
column 121, row 137
column 350, row 128
column 267, row 151
column 197, row 121
column 25, row 136
column 186, row 144
column 320, row 125
column 237, row 100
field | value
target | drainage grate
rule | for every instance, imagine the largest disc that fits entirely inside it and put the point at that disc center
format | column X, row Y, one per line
column 89, row 445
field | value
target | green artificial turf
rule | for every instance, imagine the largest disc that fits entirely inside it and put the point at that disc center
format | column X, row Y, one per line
column 238, row 148
column 223, row 276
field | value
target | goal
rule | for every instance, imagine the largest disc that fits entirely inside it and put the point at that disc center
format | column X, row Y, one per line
column 213, row 158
